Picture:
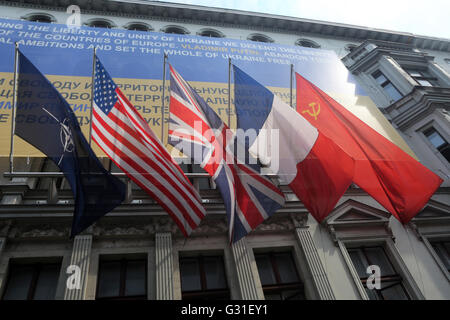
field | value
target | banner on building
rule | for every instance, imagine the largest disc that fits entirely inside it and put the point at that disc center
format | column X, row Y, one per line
column 135, row 61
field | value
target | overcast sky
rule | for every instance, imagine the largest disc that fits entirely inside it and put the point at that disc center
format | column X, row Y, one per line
column 421, row 17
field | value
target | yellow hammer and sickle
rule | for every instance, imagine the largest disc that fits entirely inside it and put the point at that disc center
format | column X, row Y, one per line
column 313, row 112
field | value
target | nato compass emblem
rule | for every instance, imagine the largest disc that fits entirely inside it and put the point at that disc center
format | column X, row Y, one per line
column 65, row 135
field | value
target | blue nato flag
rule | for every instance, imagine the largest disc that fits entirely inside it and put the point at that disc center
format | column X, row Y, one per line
column 45, row 120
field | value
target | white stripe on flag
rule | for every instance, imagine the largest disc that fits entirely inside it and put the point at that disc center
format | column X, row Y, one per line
column 294, row 130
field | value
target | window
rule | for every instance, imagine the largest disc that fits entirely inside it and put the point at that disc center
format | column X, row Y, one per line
column 32, row 281
column 138, row 27
column 307, row 43
column 391, row 284
column 41, row 17
column 422, row 77
column 100, row 24
column 259, row 38
column 122, row 280
column 387, row 86
column 210, row 33
column 350, row 47
column 438, row 142
column 279, row 277
column 175, row 30
column 442, row 249
column 203, row 277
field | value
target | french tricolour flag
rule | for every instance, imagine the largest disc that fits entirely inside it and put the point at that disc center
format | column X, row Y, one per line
column 315, row 168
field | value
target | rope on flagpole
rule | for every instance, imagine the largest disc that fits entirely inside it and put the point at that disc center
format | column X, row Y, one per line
column 290, row 89
column 14, row 107
column 92, row 94
column 229, row 93
column 163, row 98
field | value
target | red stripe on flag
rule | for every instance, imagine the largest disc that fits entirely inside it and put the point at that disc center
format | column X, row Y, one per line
column 138, row 168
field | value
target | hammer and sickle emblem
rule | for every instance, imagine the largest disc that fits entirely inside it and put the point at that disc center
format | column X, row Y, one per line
column 313, row 112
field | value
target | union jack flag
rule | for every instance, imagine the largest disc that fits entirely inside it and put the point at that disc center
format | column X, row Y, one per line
column 196, row 130
column 122, row 133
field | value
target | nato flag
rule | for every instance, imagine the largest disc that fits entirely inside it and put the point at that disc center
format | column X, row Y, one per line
column 45, row 120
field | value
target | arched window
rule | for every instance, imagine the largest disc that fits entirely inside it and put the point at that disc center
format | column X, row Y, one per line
column 138, row 26
column 100, row 23
column 211, row 33
column 350, row 47
column 259, row 38
column 175, row 30
column 307, row 43
column 40, row 17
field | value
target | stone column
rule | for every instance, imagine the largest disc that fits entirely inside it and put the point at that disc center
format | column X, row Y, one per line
column 164, row 266
column 314, row 263
column 439, row 72
column 247, row 272
column 81, row 255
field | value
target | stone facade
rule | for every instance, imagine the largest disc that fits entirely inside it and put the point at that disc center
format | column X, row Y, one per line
column 321, row 252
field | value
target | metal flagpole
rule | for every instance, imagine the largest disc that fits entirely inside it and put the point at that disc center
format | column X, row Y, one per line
column 13, row 118
column 163, row 98
column 229, row 93
column 92, row 94
column 290, row 93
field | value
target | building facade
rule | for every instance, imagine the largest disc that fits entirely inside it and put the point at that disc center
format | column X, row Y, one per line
column 137, row 252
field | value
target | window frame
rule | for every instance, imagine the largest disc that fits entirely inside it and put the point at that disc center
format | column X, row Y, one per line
column 182, row 29
column 279, row 286
column 384, row 84
column 397, row 277
column 307, row 43
column 423, row 76
column 373, row 230
column 441, row 241
column 196, row 294
column 253, row 36
column 437, row 150
column 408, row 282
column 111, row 24
column 145, row 27
column 427, row 240
column 31, row 17
column 37, row 269
column 218, row 33
column 122, row 278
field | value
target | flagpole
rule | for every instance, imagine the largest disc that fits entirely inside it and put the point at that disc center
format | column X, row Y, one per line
column 290, row 93
column 163, row 98
column 92, row 94
column 13, row 118
column 229, row 93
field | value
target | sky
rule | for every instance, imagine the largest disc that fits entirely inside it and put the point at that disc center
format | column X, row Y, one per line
column 420, row 17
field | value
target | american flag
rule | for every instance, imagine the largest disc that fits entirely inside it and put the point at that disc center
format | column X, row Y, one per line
column 122, row 133
column 196, row 130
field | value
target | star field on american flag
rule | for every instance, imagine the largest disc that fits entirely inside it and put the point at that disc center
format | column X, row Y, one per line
column 105, row 89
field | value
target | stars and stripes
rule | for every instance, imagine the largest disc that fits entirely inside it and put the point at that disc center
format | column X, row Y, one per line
column 122, row 133
column 196, row 130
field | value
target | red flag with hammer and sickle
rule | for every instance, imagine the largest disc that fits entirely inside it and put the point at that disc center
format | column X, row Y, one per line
column 392, row 177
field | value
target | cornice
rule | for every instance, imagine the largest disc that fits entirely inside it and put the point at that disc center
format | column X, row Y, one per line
column 208, row 16
column 420, row 102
